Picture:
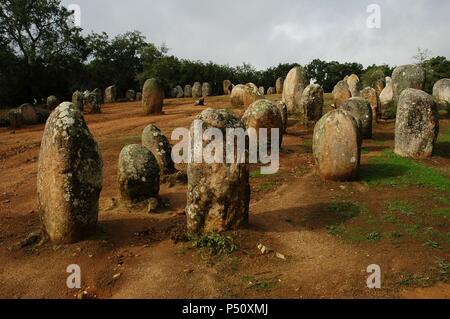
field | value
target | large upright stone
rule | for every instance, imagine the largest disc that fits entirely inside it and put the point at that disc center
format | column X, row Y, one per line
column 407, row 76
column 138, row 174
column 341, row 93
column 227, row 87
column 337, row 146
column 417, row 124
column 29, row 114
column 279, row 85
column 197, row 90
column 253, row 86
column 379, row 86
column 157, row 143
column 110, row 94
column 52, row 102
column 271, row 90
column 282, row 108
column 354, row 85
column 130, row 95
column 311, row 103
column 152, row 96
column 91, row 102
column 69, row 177
column 98, row 95
column 138, row 96
column 206, row 89
column 77, row 100
column 180, row 92
column 218, row 194
column 387, row 108
column 264, row 114
column 293, row 87
column 261, row 90
column 361, row 110
column 370, row 95
column 441, row 93
column 187, row 90
column 244, row 95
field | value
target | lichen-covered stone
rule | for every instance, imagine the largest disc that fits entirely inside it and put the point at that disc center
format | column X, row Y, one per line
column 354, row 85
column 91, row 102
column 227, row 87
column 311, row 104
column 417, row 124
column 52, row 102
column 110, row 94
column 138, row 174
column 279, row 85
column 253, row 86
column 337, row 146
column 264, row 114
column 244, row 95
column 152, row 96
column 69, row 179
column 130, row 95
column 379, row 86
column 261, row 90
column 197, row 90
column 370, row 95
column 361, row 110
column 341, row 93
column 293, row 87
column 77, row 100
column 98, row 95
column 407, row 76
column 441, row 93
column 282, row 108
column 157, row 143
column 387, row 108
column 271, row 90
column 218, row 194
column 187, row 90
column 180, row 92
column 206, row 89
column 29, row 114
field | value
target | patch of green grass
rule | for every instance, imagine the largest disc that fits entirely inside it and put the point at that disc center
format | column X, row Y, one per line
column 344, row 209
column 399, row 206
column 261, row 283
column 443, row 269
column 215, row 243
column 267, row 186
column 392, row 170
column 432, row 244
column 335, row 230
column 407, row 279
column 374, row 236
column 394, row 237
column 132, row 139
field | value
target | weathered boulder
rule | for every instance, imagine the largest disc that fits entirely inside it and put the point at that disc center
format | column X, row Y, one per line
column 311, row 103
column 264, row 114
column 152, row 96
column 29, row 114
column 91, row 102
column 261, row 90
column 337, row 146
column 244, row 95
column 206, row 89
column 271, row 90
column 218, row 194
column 187, row 90
column 282, row 108
column 138, row 96
column 227, row 87
column 200, row 102
column 253, row 86
column 69, row 179
column 293, row 87
column 279, row 85
column 98, row 95
column 157, row 143
column 15, row 119
column 77, row 100
column 361, row 110
column 441, row 93
column 138, row 174
column 387, row 108
column 407, row 76
column 180, row 92
column 354, row 85
column 379, row 86
column 130, row 95
column 110, row 94
column 341, row 93
column 174, row 92
column 197, row 90
column 417, row 124
column 52, row 102
column 370, row 95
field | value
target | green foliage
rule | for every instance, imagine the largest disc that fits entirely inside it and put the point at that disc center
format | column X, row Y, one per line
column 344, row 209
column 375, row 73
column 435, row 68
column 215, row 243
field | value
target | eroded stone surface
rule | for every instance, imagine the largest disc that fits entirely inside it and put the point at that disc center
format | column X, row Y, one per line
column 311, row 103
column 361, row 110
column 157, row 143
column 244, row 95
column 152, row 96
column 341, row 93
column 293, row 87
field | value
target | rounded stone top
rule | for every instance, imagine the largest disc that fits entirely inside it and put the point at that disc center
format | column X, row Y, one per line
column 135, row 159
column 220, row 118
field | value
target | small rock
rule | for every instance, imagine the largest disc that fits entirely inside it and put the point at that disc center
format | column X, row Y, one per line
column 83, row 295
column 263, row 249
column 117, row 276
column 281, row 256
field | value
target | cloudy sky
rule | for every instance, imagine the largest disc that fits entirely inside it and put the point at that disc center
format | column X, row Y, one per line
column 265, row 33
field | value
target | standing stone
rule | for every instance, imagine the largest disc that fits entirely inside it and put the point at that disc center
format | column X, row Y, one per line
column 387, row 109
column 227, row 87
column 279, row 85
column 417, row 124
column 361, row 110
column 244, row 95
column 337, row 152
column 174, row 92
column 341, row 93
column 152, row 97
column 187, row 91
column 15, row 119
column 52, row 102
column 218, row 194
column 441, row 93
column 354, row 85
column 311, row 103
column 138, row 174
column 77, row 100
column 271, row 90
column 197, row 90
column 159, row 145
column 91, row 103
column 407, row 76
column 261, row 90
column 130, row 95
column 138, row 96
column 69, row 179
column 98, row 96
column 253, row 86
column 29, row 114
column 180, row 92
column 282, row 108
column 206, row 89
column 370, row 95
column 379, row 86
column 264, row 114
column 293, row 87
column 110, row 94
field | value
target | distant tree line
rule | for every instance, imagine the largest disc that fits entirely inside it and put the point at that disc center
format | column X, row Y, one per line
column 43, row 53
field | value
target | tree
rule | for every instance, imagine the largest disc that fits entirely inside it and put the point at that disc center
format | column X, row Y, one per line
column 375, row 73
column 435, row 69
